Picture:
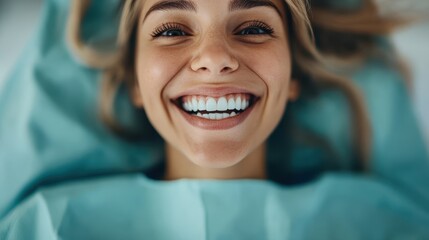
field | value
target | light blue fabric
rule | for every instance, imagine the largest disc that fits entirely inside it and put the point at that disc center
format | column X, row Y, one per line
column 398, row 154
column 49, row 125
column 134, row 207
column 64, row 176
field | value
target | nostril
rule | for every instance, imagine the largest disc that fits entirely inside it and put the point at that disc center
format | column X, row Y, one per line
column 214, row 62
column 226, row 69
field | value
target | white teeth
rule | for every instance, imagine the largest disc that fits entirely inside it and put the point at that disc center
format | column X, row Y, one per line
column 238, row 103
column 185, row 106
column 194, row 104
column 201, row 105
column 215, row 116
column 211, row 105
column 222, row 104
column 231, row 104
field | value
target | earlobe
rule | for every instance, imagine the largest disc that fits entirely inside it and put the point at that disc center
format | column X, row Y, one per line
column 294, row 90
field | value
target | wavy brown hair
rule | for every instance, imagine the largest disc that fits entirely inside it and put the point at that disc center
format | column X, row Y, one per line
column 320, row 36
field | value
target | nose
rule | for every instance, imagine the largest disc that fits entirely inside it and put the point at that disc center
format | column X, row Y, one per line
column 214, row 56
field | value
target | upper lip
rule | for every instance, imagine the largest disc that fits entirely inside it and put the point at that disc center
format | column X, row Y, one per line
column 213, row 91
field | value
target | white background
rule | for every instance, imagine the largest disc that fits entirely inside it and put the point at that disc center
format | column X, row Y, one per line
column 18, row 19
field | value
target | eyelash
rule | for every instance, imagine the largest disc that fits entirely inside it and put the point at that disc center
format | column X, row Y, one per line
column 159, row 31
column 167, row 27
column 257, row 24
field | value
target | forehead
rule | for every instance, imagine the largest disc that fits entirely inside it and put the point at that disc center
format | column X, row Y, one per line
column 214, row 5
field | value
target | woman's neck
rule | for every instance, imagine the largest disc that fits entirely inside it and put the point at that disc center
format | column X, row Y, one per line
column 251, row 167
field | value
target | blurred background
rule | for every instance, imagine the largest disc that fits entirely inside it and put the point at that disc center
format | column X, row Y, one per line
column 18, row 19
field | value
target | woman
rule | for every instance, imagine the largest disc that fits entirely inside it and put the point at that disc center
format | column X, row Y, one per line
column 292, row 63
column 214, row 79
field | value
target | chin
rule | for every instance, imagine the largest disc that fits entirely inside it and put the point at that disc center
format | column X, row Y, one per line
column 215, row 157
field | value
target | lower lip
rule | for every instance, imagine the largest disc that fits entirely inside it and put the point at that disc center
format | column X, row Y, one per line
column 221, row 124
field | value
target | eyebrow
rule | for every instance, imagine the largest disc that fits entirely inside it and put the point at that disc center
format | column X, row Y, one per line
column 172, row 5
column 248, row 4
column 188, row 5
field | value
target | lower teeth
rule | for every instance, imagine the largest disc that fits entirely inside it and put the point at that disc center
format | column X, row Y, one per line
column 215, row 116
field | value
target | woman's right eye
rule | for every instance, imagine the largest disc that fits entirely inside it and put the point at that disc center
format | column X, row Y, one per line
column 169, row 30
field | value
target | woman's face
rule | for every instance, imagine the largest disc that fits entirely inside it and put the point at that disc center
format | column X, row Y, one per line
column 214, row 76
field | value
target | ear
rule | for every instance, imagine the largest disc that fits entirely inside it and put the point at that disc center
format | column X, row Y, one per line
column 294, row 90
column 136, row 96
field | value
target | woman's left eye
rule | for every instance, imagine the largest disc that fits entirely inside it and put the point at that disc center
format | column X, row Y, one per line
column 255, row 28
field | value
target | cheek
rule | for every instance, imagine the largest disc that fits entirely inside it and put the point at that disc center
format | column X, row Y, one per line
column 273, row 66
column 155, row 68
column 152, row 68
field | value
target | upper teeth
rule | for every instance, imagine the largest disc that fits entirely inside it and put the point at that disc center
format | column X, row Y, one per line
column 211, row 104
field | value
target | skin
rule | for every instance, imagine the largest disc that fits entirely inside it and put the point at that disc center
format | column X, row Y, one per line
column 215, row 48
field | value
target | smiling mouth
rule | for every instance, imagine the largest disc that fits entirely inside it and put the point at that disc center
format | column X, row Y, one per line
column 216, row 108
